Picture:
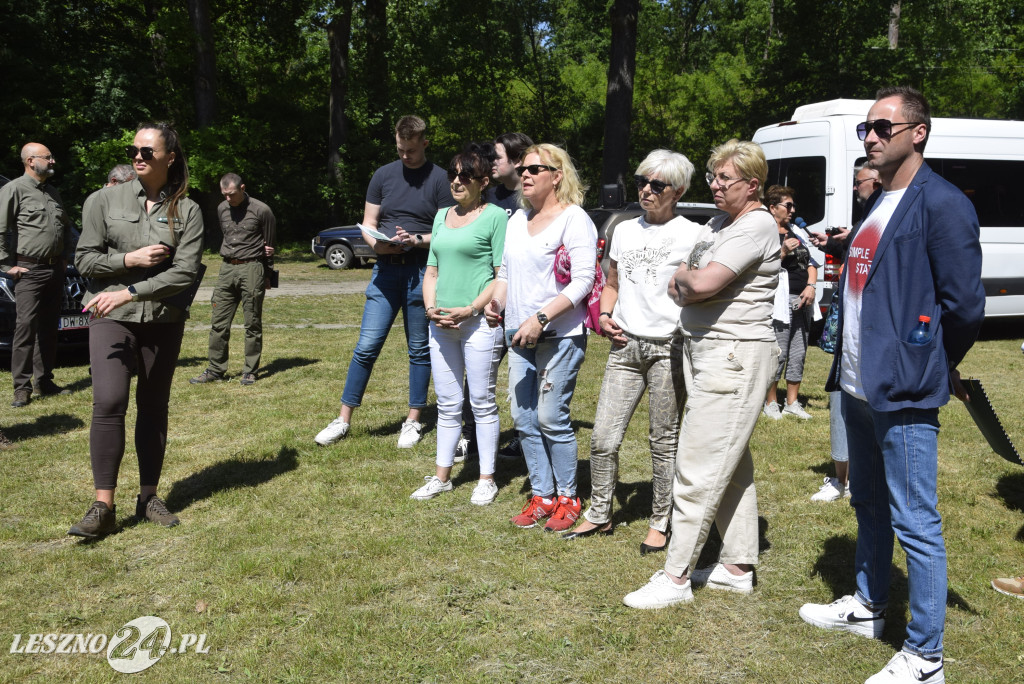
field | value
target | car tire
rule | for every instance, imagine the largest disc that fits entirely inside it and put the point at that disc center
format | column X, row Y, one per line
column 338, row 257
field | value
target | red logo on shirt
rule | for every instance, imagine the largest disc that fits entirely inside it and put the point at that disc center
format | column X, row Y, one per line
column 861, row 255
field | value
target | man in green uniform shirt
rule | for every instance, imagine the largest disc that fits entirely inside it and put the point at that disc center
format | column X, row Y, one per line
column 249, row 229
column 35, row 237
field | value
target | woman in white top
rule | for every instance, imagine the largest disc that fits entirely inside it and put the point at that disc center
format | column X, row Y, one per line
column 642, row 321
column 726, row 289
column 544, row 327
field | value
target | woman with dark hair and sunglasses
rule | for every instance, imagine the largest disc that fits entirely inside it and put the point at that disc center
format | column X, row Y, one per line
column 544, row 327
column 141, row 244
column 642, row 322
column 466, row 245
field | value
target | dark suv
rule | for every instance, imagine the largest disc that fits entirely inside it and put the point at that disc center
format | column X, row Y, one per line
column 341, row 246
column 72, row 325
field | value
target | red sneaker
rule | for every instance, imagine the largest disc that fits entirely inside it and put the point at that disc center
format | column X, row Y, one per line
column 533, row 511
column 565, row 515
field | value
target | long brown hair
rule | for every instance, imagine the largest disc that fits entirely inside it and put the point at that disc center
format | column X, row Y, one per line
column 177, row 173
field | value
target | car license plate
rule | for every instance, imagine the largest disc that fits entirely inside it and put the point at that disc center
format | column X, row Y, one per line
column 74, row 321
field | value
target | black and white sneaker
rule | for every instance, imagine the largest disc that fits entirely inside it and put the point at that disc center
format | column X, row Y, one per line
column 847, row 614
column 910, row 668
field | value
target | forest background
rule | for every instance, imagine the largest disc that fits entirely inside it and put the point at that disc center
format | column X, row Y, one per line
column 300, row 96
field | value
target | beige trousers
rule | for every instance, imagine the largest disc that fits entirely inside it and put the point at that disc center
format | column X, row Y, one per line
column 714, row 474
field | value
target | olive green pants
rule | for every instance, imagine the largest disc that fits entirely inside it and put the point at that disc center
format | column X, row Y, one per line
column 237, row 283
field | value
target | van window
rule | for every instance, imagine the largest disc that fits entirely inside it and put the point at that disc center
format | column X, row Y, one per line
column 992, row 185
column 806, row 175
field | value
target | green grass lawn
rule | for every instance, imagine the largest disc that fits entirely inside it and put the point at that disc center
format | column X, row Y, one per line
column 303, row 563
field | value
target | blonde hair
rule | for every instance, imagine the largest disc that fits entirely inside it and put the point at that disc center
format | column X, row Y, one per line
column 569, row 190
column 746, row 156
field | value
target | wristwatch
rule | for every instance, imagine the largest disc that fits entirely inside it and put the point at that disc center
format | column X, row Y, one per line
column 605, row 313
column 475, row 311
column 133, row 292
column 543, row 318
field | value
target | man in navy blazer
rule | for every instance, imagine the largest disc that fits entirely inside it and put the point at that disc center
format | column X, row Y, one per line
column 916, row 255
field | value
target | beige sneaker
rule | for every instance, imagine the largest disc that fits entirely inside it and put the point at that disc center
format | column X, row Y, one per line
column 1011, row 586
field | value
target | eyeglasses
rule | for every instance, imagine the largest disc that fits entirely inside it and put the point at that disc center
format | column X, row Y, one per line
column 882, row 128
column 47, row 157
column 857, row 183
column 789, row 205
column 657, row 186
column 463, row 176
column 721, row 179
column 132, row 151
column 534, row 169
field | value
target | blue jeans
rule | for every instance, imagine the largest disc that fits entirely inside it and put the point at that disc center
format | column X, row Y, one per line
column 392, row 287
column 541, row 382
column 894, row 487
column 836, row 427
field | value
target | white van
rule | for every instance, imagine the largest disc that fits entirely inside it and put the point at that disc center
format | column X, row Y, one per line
column 816, row 152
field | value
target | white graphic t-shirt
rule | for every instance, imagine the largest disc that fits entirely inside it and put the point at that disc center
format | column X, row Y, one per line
column 859, row 259
column 647, row 256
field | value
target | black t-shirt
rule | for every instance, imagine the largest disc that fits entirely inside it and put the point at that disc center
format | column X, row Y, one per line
column 408, row 197
column 504, row 198
column 796, row 263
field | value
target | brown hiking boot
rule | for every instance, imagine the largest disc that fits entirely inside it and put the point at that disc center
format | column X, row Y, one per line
column 155, row 510
column 206, row 376
column 22, row 397
column 98, row 521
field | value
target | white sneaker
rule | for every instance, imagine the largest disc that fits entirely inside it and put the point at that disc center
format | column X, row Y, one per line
column 432, row 488
column 717, row 577
column 831, row 490
column 334, row 431
column 847, row 614
column 484, row 493
column 771, row 410
column 910, row 668
column 410, row 435
column 659, row 592
column 795, row 409
column 461, row 449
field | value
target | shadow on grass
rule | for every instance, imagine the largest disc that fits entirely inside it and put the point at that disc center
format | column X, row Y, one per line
column 281, row 365
column 1011, row 490
column 233, row 473
column 428, row 418
column 53, row 423
column 185, row 361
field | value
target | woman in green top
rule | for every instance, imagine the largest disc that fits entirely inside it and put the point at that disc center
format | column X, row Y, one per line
column 141, row 243
column 465, row 252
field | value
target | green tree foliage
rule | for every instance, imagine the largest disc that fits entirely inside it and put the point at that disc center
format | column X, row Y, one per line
column 80, row 75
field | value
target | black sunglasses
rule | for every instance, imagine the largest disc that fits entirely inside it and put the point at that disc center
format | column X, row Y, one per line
column 789, row 205
column 132, row 151
column 534, row 169
column 882, row 128
column 463, row 176
column 657, row 186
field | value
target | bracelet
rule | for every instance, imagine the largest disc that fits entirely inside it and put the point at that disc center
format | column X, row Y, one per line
column 606, row 313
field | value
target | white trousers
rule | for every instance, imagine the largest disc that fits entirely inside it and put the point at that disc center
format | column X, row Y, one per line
column 473, row 348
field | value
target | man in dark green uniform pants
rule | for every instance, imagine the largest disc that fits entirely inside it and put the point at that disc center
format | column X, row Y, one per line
column 35, row 238
column 248, row 251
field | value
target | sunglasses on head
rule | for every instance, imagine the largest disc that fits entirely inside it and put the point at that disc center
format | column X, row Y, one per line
column 882, row 128
column 657, row 186
column 463, row 176
column 132, row 151
column 534, row 169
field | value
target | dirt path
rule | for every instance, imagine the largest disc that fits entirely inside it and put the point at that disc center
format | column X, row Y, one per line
column 297, row 289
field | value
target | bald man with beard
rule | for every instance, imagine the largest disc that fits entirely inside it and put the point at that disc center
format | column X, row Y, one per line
column 35, row 237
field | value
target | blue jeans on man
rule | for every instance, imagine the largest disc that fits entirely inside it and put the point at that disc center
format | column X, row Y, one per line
column 392, row 287
column 894, row 487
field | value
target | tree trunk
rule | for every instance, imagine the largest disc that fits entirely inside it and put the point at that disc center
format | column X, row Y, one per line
column 619, row 102
column 377, row 65
column 339, row 30
column 894, row 25
column 206, row 63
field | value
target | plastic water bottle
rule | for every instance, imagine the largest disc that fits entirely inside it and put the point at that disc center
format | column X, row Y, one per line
column 921, row 334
